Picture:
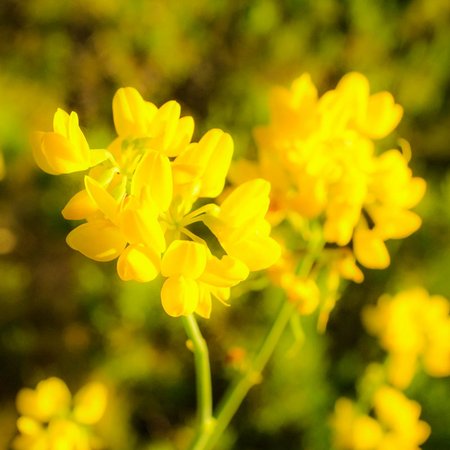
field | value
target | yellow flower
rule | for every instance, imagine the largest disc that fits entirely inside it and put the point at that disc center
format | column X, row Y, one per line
column 352, row 430
column 400, row 416
column 412, row 325
column 395, row 425
column 319, row 155
column 64, row 150
column 193, row 275
column 50, row 419
column 139, row 205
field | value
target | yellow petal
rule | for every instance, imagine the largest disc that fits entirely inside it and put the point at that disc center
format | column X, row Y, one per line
column 62, row 155
column 182, row 136
column 212, row 155
column 102, row 198
column 79, row 207
column 355, row 87
column 184, row 258
column 221, row 151
column 51, row 397
column 61, row 122
column 370, row 250
column 221, row 293
column 77, row 139
column 415, row 192
column 165, row 124
column 179, row 296
column 224, row 272
column 257, row 252
column 28, row 426
column 98, row 240
column 383, row 115
column 90, row 403
column 204, row 301
column 38, row 154
column 393, row 223
column 138, row 263
column 132, row 115
column 140, row 224
column 246, row 203
column 154, row 171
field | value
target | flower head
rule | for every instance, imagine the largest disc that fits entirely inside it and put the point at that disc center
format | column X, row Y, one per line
column 410, row 326
column 140, row 203
column 319, row 154
column 51, row 419
column 395, row 423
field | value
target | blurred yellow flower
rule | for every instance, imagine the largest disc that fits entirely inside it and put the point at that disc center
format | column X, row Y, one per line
column 140, row 200
column 412, row 325
column 50, row 419
column 395, row 425
column 319, row 155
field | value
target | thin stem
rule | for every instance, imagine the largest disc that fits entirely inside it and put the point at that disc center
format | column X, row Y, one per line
column 238, row 391
column 203, row 374
column 236, row 394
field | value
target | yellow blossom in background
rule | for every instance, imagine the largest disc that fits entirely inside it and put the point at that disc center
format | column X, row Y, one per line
column 51, row 419
column 395, row 424
column 319, row 155
column 409, row 326
column 301, row 291
column 142, row 194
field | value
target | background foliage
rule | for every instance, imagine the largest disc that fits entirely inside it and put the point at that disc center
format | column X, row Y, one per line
column 64, row 315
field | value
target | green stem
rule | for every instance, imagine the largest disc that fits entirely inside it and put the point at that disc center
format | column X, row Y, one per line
column 203, row 377
column 238, row 391
column 211, row 429
column 251, row 377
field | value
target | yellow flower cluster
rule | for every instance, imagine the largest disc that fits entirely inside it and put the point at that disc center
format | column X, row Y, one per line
column 395, row 425
column 52, row 420
column 142, row 194
column 410, row 325
column 319, row 155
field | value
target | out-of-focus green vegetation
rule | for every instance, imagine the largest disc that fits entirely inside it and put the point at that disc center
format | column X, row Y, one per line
column 64, row 315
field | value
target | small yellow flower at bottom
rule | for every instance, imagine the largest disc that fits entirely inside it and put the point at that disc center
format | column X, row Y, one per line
column 51, row 419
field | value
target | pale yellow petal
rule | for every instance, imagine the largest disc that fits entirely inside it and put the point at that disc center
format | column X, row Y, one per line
column 38, row 153
column 132, row 115
column 77, row 139
column 140, row 225
column 138, row 263
column 154, row 171
column 79, row 207
column 257, row 252
column 370, row 250
column 164, row 125
column 179, row 296
column 246, row 203
column 186, row 258
column 393, row 223
column 90, row 403
column 182, row 136
column 50, row 397
column 383, row 115
column 102, row 198
column 98, row 240
column 204, row 301
column 355, row 87
column 61, row 122
column 221, row 151
column 62, row 155
column 29, row 426
column 224, row 272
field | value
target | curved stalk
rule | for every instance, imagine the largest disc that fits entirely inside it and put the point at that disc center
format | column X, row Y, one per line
column 203, row 378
